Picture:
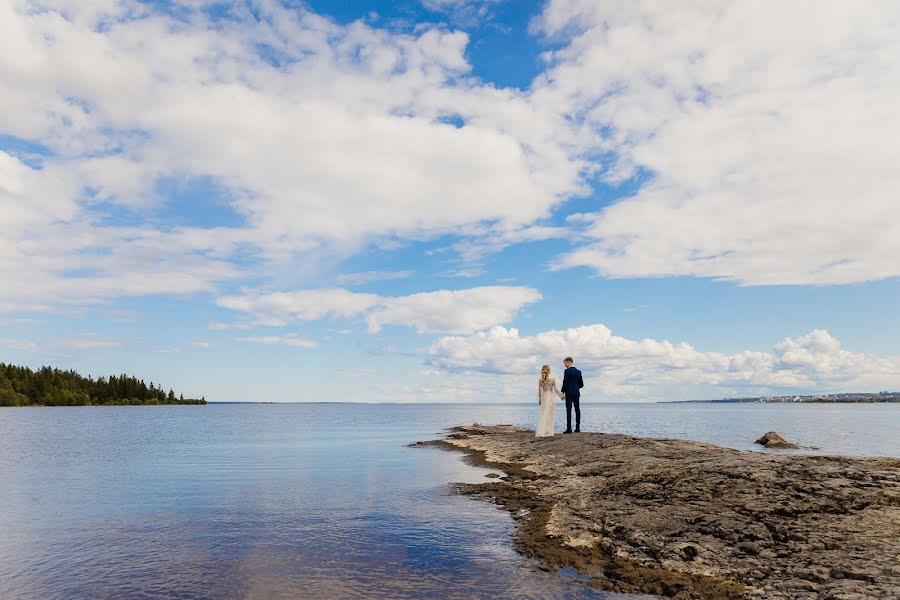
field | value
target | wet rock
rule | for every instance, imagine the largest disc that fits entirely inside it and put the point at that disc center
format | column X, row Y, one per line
column 774, row 441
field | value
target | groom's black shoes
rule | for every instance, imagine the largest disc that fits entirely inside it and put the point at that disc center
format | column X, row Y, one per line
column 577, row 430
column 567, row 431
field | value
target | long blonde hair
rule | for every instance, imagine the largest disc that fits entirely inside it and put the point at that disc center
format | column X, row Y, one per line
column 545, row 374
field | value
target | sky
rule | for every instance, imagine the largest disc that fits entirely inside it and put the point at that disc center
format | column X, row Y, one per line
column 426, row 200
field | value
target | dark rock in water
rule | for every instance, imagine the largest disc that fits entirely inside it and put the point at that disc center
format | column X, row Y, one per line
column 493, row 475
column 774, row 441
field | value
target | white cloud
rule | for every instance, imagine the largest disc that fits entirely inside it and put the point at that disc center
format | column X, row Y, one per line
column 818, row 354
column 468, row 272
column 464, row 12
column 446, row 311
column 639, row 369
column 483, row 243
column 279, row 340
column 443, row 311
column 371, row 276
column 19, row 345
column 78, row 344
column 278, row 308
column 90, row 342
column 768, row 133
column 452, row 4
column 57, row 254
column 301, row 121
column 766, row 137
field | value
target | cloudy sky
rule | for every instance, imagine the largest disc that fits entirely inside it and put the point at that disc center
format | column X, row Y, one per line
column 425, row 200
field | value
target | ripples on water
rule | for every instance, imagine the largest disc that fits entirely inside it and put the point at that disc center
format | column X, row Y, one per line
column 288, row 501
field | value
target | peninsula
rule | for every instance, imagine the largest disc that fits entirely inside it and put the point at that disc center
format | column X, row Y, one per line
column 687, row 519
column 21, row 386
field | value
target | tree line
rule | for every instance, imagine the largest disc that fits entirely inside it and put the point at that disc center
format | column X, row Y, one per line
column 21, row 386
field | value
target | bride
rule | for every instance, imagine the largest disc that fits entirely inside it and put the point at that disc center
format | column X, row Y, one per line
column 548, row 390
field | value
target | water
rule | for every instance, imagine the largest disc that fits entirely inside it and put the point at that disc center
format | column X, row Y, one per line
column 290, row 501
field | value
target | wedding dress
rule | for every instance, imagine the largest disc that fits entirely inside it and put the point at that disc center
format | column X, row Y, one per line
column 548, row 392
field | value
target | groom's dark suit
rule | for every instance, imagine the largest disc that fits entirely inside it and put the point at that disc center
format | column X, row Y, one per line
column 571, row 387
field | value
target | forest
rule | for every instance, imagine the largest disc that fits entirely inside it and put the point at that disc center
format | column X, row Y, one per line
column 21, row 386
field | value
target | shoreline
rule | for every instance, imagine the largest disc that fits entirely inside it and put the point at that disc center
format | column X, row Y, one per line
column 109, row 404
column 688, row 519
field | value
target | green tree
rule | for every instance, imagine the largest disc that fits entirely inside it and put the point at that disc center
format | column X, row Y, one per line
column 20, row 386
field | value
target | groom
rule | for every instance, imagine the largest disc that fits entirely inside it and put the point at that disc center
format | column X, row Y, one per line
column 571, row 388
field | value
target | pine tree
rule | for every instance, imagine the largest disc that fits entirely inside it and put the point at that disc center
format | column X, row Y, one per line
column 20, row 386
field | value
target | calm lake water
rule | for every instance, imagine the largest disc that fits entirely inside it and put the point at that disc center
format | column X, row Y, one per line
column 322, row 500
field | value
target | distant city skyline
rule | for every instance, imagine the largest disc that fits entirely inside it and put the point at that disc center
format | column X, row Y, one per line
column 426, row 200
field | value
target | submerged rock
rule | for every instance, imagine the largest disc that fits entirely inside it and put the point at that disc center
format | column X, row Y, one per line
column 774, row 441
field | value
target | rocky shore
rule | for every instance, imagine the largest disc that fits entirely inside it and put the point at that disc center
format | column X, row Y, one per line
column 686, row 519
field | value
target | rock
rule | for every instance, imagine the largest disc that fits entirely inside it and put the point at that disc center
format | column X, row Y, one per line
column 690, row 551
column 748, row 547
column 607, row 545
column 816, row 573
column 693, row 521
column 774, row 441
column 493, row 475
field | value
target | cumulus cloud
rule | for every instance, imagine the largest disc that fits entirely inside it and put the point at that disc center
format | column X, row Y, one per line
column 765, row 136
column 443, row 311
column 298, row 120
column 56, row 253
column 639, row 369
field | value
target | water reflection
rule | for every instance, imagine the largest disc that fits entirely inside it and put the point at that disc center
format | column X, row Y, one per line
column 247, row 502
column 288, row 501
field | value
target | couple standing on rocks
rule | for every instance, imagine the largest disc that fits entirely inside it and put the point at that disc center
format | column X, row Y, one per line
column 548, row 390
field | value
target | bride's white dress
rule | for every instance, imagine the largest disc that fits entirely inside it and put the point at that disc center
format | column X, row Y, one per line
column 548, row 392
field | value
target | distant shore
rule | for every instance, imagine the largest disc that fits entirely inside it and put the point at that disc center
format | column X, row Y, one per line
column 185, row 402
column 692, row 520
column 47, row 386
column 845, row 398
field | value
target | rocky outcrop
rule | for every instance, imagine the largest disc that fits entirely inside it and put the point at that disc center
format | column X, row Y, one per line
column 691, row 520
column 773, row 441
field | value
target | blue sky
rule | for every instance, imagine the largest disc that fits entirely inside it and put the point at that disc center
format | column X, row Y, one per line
column 424, row 201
